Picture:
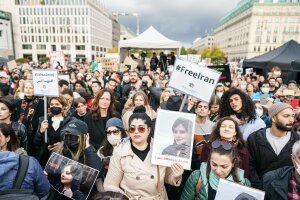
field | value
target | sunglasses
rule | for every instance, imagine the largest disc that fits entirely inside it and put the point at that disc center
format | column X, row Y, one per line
column 140, row 129
column 225, row 145
column 115, row 132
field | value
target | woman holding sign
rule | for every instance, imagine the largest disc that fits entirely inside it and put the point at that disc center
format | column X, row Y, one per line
column 222, row 163
column 131, row 171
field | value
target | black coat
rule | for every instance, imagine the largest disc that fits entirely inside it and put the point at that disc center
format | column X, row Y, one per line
column 275, row 183
column 264, row 159
column 97, row 128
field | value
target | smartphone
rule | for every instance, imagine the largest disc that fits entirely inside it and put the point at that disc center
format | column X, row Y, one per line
column 295, row 103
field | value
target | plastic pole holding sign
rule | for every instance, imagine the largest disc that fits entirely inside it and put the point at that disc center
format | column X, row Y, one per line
column 45, row 82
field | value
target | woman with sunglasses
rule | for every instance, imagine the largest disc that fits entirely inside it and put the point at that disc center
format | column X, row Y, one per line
column 114, row 132
column 222, row 163
column 131, row 172
column 227, row 130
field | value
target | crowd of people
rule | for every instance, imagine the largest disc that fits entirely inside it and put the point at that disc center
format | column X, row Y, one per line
column 249, row 133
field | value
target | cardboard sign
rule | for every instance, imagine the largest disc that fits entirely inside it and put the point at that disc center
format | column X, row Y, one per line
column 172, row 142
column 130, row 62
column 11, row 65
column 108, row 64
column 228, row 190
column 193, row 80
column 64, row 171
column 45, row 82
column 225, row 70
column 57, row 60
column 248, row 70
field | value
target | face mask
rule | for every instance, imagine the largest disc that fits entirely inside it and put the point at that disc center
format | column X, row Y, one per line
column 113, row 139
column 265, row 90
column 71, row 142
column 259, row 112
column 219, row 94
column 126, row 79
column 55, row 110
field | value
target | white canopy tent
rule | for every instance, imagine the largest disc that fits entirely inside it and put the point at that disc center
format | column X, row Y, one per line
column 149, row 39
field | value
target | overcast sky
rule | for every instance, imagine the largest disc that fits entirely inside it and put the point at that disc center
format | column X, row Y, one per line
column 182, row 20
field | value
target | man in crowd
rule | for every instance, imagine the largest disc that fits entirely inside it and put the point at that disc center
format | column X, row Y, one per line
column 133, row 85
column 284, row 183
column 270, row 148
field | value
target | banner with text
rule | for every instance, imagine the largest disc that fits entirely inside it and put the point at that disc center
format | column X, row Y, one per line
column 45, row 82
column 193, row 80
column 108, row 64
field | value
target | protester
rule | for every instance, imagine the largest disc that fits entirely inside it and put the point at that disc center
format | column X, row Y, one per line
column 270, row 148
column 29, row 110
column 131, row 172
column 7, row 110
column 284, row 182
column 222, row 163
column 96, row 87
column 238, row 105
column 214, row 108
column 56, row 121
column 139, row 99
column 227, row 130
column 81, row 108
column 103, row 108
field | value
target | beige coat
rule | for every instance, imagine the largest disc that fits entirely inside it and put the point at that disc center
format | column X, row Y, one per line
column 136, row 179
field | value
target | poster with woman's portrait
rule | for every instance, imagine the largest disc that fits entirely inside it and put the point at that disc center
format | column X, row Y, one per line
column 228, row 190
column 173, row 138
column 69, row 179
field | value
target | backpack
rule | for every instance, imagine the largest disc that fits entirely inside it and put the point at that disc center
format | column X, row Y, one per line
column 16, row 192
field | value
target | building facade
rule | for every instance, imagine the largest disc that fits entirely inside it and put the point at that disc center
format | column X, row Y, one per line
column 255, row 27
column 6, row 35
column 126, row 33
column 82, row 29
column 116, row 31
column 201, row 43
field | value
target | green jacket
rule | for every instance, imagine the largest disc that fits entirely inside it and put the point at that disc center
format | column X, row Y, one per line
column 189, row 191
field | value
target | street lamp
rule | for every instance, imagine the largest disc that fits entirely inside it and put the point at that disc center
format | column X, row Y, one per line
column 131, row 14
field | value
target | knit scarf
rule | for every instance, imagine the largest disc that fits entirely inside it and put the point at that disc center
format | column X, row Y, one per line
column 214, row 180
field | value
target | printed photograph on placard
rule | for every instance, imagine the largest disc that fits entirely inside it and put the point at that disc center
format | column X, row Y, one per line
column 228, row 190
column 173, row 138
column 69, row 179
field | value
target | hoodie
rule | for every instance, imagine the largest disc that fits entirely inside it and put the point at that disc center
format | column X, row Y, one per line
column 35, row 178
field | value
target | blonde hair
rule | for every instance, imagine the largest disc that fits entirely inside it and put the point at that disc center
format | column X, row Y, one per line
column 163, row 95
column 63, row 102
column 76, row 155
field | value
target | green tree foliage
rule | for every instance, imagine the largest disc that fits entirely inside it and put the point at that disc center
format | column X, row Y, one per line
column 23, row 60
column 183, row 51
column 215, row 53
column 191, row 51
column 44, row 59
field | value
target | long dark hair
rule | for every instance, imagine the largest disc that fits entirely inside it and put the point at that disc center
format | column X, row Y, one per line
column 95, row 105
column 235, row 160
column 10, row 105
column 7, row 131
column 215, row 134
column 248, row 108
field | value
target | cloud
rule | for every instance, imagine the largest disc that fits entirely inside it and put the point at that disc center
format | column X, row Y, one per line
column 182, row 20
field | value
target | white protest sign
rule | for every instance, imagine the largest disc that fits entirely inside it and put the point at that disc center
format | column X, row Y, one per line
column 193, row 80
column 229, row 190
column 57, row 60
column 45, row 82
column 194, row 58
column 248, row 70
column 173, row 138
column 130, row 62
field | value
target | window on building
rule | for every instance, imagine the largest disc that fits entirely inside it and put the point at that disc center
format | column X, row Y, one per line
column 274, row 39
column 258, row 49
column 254, row 49
column 80, row 47
column 65, row 47
column 41, row 46
column 26, row 46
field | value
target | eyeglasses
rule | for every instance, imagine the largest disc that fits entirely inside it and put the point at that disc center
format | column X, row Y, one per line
column 140, row 129
column 115, row 132
column 225, row 145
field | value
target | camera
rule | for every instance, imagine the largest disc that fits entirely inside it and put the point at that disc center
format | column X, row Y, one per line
column 144, row 83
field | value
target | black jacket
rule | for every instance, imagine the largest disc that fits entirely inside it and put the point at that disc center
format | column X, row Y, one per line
column 263, row 158
column 275, row 183
column 97, row 128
